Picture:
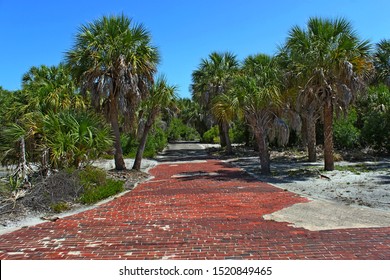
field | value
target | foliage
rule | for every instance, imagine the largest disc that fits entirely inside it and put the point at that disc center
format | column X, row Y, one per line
column 114, row 60
column 177, row 130
column 382, row 62
column 97, row 186
column 49, row 116
column 346, row 134
column 73, row 137
column 192, row 115
column 93, row 194
column 328, row 65
column 157, row 140
column 60, row 207
column 239, row 132
column 211, row 81
column 211, row 135
column 374, row 111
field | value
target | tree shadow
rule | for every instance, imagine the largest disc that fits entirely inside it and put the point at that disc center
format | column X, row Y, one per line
column 383, row 179
column 191, row 153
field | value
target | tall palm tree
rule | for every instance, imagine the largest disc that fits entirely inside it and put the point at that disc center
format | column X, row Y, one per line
column 114, row 60
column 213, row 77
column 257, row 93
column 161, row 97
column 330, row 63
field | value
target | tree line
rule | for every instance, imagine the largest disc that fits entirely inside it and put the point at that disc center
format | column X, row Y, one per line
column 106, row 97
column 105, row 88
column 323, row 70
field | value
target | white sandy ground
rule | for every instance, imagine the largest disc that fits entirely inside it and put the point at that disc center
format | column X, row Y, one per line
column 344, row 199
column 34, row 219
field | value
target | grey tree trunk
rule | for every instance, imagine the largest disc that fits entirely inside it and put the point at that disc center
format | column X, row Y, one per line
column 118, row 156
column 225, row 130
column 23, row 168
column 311, row 139
column 304, row 131
column 142, row 143
column 261, row 140
column 328, row 135
column 141, row 149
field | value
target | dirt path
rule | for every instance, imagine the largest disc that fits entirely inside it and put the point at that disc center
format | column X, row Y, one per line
column 204, row 209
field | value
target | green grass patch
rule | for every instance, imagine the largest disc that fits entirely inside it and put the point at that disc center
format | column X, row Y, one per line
column 356, row 169
column 97, row 186
column 60, row 207
column 95, row 193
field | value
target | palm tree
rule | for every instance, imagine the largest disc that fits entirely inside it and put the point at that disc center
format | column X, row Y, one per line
column 161, row 97
column 382, row 62
column 50, row 89
column 114, row 60
column 75, row 136
column 330, row 64
column 213, row 77
column 257, row 93
column 46, row 90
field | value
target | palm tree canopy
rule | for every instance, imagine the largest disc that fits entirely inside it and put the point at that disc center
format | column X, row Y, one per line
column 382, row 61
column 112, row 54
column 328, row 55
column 50, row 89
column 213, row 77
column 258, row 87
column 162, row 94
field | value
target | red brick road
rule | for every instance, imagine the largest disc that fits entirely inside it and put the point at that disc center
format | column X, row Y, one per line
column 204, row 210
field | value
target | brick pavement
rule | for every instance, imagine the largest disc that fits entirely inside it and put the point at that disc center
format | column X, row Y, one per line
column 203, row 210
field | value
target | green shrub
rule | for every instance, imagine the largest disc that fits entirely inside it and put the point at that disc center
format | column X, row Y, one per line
column 238, row 132
column 74, row 137
column 156, row 142
column 346, row 134
column 60, row 207
column 211, row 135
column 376, row 130
column 92, row 176
column 177, row 130
column 97, row 186
column 95, row 193
column 375, row 118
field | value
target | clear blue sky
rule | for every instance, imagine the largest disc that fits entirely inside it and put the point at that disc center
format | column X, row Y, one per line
column 40, row 31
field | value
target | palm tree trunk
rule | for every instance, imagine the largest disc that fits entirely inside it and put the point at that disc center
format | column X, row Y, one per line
column 311, row 139
column 328, row 135
column 222, row 139
column 23, row 161
column 225, row 131
column 118, row 156
column 142, row 144
column 263, row 151
column 141, row 149
column 304, row 131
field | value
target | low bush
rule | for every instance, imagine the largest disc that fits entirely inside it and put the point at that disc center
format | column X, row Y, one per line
column 94, row 193
column 346, row 134
column 374, row 116
column 96, row 185
column 156, row 142
column 177, row 130
column 211, row 135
